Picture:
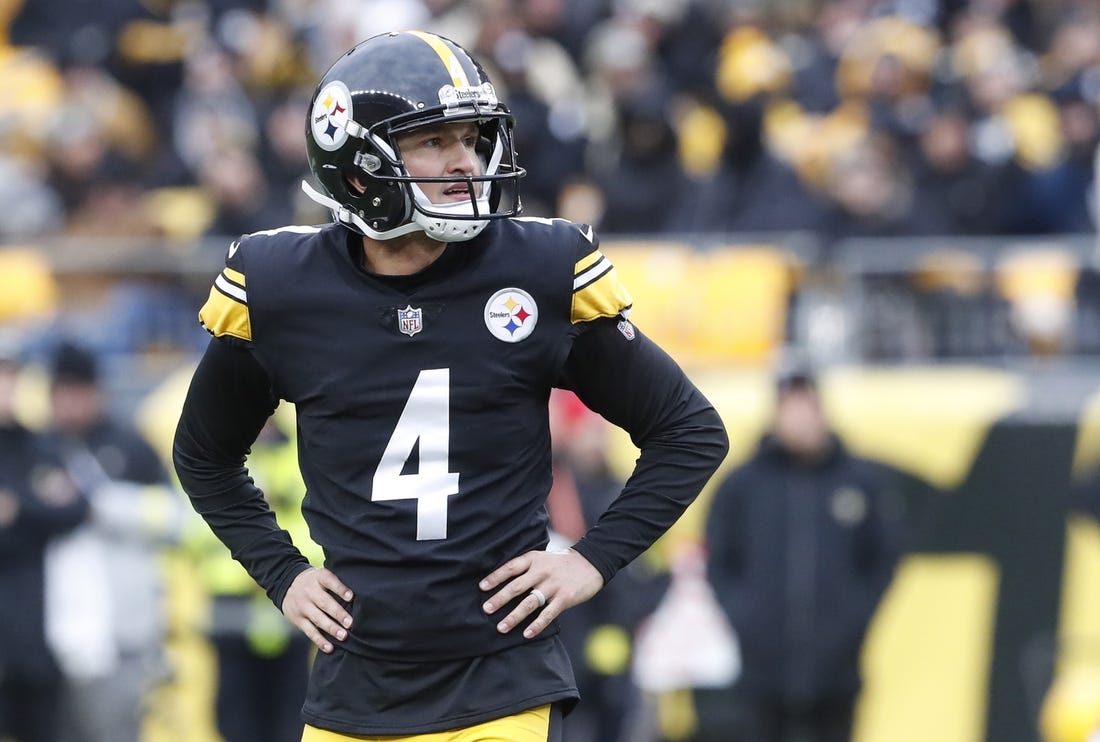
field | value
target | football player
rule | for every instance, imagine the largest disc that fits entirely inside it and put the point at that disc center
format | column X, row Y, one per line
column 419, row 336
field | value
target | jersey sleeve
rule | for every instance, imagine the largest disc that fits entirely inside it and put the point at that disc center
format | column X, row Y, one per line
column 227, row 403
column 225, row 313
column 629, row 380
column 597, row 289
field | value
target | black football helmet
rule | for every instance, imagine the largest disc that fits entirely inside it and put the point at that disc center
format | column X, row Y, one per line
column 387, row 85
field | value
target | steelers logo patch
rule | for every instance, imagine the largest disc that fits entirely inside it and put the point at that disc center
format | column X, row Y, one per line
column 511, row 315
column 331, row 112
column 849, row 506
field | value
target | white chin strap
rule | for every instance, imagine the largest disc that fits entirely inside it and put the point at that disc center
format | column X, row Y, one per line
column 344, row 215
column 436, row 225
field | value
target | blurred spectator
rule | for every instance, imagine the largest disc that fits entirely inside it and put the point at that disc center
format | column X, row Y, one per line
column 954, row 191
column 599, row 89
column 212, row 110
column 567, row 22
column 135, row 515
column 282, row 156
column 148, row 52
column 641, row 190
column 263, row 661
column 818, row 50
column 1049, row 181
column 98, row 139
column 622, row 70
column 750, row 189
column 685, row 36
column 29, row 207
column 71, row 31
column 341, row 24
column 992, row 70
column 802, row 541
column 887, row 65
column 871, row 191
column 546, row 95
column 38, row 501
column 241, row 193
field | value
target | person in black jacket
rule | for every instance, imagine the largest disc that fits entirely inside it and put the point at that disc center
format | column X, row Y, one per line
column 802, row 541
column 38, row 501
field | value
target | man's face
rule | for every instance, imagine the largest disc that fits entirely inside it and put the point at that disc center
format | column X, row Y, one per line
column 442, row 150
column 800, row 425
column 75, row 407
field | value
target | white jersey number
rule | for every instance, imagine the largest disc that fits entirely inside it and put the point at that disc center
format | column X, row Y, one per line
column 426, row 418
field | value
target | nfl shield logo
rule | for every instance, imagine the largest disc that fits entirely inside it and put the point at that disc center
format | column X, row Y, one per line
column 410, row 320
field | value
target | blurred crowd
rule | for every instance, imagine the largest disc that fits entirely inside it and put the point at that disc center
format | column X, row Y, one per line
column 184, row 118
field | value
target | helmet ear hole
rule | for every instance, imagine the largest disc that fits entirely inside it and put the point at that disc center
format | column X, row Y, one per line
column 354, row 184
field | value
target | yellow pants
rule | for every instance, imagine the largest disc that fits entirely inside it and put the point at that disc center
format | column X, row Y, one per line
column 532, row 725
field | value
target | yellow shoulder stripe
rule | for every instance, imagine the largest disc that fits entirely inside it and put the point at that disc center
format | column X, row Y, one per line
column 597, row 290
column 586, row 262
column 224, row 314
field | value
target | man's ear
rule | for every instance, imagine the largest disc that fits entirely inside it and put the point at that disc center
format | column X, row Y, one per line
column 355, row 182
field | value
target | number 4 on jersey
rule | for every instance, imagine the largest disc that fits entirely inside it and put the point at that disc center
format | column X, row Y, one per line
column 426, row 418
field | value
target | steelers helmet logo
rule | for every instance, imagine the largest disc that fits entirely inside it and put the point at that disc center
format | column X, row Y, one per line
column 330, row 116
column 511, row 315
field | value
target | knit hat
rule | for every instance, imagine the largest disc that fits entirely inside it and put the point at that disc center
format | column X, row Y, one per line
column 73, row 364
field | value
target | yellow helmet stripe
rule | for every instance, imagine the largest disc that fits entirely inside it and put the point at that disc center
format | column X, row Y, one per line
column 448, row 57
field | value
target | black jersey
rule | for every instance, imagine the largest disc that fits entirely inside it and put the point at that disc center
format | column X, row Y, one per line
column 423, row 435
column 422, row 413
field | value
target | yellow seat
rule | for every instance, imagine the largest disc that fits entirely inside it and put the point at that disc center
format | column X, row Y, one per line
column 1040, row 285
column 181, row 212
column 741, row 301
column 31, row 91
column 1038, row 272
column 659, row 275
column 28, row 290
